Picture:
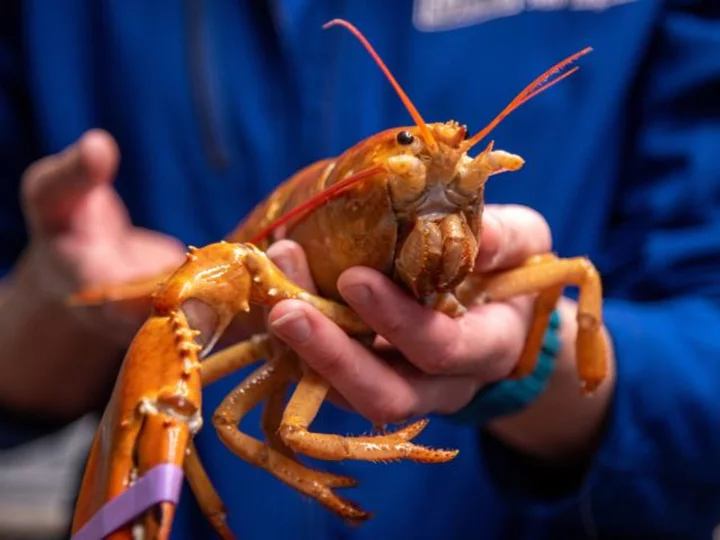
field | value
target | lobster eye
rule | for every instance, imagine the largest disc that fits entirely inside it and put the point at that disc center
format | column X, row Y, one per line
column 405, row 138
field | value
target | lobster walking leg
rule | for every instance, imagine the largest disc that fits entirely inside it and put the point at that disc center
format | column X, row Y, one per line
column 212, row 369
column 239, row 356
column 548, row 275
column 544, row 305
column 207, row 498
column 234, row 358
column 304, row 406
column 262, row 383
column 271, row 417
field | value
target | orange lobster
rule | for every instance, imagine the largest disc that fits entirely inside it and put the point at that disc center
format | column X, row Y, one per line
column 408, row 202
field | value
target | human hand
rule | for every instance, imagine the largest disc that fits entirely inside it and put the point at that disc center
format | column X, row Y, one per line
column 81, row 235
column 425, row 362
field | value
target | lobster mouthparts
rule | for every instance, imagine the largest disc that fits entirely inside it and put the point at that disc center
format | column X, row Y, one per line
column 437, row 254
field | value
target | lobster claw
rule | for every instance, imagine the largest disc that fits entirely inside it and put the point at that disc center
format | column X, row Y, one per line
column 146, row 429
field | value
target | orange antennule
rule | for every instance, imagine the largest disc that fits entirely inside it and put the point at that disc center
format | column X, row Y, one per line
column 542, row 83
column 401, row 93
column 316, row 201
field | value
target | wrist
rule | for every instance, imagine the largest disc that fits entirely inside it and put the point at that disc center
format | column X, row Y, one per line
column 58, row 374
column 511, row 396
column 562, row 423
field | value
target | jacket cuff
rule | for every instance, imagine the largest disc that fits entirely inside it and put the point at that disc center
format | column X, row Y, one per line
column 644, row 477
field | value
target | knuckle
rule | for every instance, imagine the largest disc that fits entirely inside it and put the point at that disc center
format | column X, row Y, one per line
column 28, row 184
column 459, row 397
column 296, row 251
column 392, row 326
column 40, row 174
column 396, row 316
column 372, row 412
column 280, row 247
column 284, row 255
column 503, row 353
column 33, row 169
column 398, row 408
column 495, row 369
column 444, row 361
column 290, row 258
column 505, row 343
column 526, row 232
column 329, row 361
column 391, row 409
column 540, row 228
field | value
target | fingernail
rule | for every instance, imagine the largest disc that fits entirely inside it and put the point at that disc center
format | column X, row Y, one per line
column 357, row 294
column 293, row 326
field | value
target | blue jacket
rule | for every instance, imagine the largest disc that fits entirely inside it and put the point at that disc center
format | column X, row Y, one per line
column 214, row 103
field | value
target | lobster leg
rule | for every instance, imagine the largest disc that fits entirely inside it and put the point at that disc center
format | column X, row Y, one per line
column 543, row 307
column 212, row 369
column 239, row 356
column 262, row 383
column 234, row 358
column 271, row 417
column 207, row 498
column 548, row 275
column 304, row 406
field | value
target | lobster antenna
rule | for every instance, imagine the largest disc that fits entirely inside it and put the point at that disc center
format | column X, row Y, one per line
column 539, row 85
column 316, row 201
column 401, row 93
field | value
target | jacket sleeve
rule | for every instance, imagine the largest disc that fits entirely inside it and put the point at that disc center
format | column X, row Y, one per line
column 18, row 148
column 18, row 141
column 658, row 466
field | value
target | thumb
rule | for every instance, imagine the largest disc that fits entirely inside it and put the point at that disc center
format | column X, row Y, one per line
column 511, row 234
column 53, row 187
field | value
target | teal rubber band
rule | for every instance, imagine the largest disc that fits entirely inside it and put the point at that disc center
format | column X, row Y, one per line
column 511, row 396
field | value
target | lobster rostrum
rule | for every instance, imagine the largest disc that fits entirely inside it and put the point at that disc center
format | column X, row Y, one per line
column 407, row 202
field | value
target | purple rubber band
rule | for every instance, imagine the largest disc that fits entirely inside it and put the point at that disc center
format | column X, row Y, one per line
column 160, row 484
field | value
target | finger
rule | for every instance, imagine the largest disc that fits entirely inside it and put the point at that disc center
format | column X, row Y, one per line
column 511, row 234
column 483, row 343
column 369, row 385
column 436, row 396
column 291, row 259
column 54, row 186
